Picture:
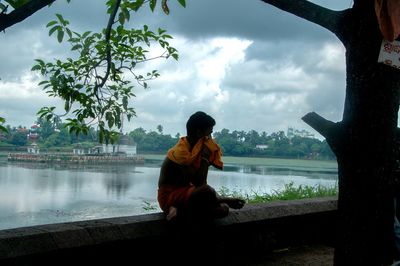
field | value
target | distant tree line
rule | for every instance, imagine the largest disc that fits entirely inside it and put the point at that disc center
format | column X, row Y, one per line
column 277, row 144
column 233, row 143
column 47, row 135
column 241, row 143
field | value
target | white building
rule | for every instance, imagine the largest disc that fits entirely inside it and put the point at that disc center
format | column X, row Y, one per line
column 33, row 149
column 261, row 146
column 125, row 145
column 291, row 132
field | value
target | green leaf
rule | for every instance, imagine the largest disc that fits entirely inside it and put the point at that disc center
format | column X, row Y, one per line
column 40, row 61
column 135, row 6
column 69, row 32
column 66, row 106
column 52, row 30
column 85, row 34
column 51, row 23
column 121, row 18
column 175, row 56
column 36, row 67
column 110, row 123
column 76, row 47
column 3, row 129
column 124, row 15
column 161, row 31
column 153, row 4
column 60, row 35
column 182, row 2
column 125, row 102
column 60, row 18
column 43, row 82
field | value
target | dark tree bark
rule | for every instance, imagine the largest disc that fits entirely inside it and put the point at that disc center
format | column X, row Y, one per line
column 365, row 140
column 19, row 14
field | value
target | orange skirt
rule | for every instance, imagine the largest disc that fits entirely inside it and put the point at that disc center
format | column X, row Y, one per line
column 174, row 196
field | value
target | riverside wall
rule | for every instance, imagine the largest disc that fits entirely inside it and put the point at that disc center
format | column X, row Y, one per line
column 74, row 159
column 150, row 240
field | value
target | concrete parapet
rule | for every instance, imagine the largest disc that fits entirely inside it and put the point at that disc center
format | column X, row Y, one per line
column 229, row 241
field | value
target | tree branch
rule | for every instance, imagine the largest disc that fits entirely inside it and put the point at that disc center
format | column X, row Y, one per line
column 326, row 18
column 21, row 13
column 320, row 124
column 107, row 39
column 330, row 130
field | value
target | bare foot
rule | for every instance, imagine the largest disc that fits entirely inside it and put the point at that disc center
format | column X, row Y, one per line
column 173, row 212
column 234, row 203
column 221, row 211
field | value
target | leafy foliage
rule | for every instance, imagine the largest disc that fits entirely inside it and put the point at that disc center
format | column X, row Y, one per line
column 277, row 144
column 2, row 128
column 97, row 85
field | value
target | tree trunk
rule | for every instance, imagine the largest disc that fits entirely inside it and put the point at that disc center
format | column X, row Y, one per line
column 366, row 146
column 364, row 141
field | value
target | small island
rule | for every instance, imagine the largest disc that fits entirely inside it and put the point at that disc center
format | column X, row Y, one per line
column 123, row 152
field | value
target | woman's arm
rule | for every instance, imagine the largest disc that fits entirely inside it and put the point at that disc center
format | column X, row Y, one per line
column 200, row 175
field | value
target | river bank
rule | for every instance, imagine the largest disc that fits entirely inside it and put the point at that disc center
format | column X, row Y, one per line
column 277, row 163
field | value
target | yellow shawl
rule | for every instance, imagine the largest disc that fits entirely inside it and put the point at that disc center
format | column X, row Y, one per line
column 181, row 153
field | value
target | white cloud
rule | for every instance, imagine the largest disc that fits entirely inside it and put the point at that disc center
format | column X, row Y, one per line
column 193, row 83
column 332, row 57
column 21, row 98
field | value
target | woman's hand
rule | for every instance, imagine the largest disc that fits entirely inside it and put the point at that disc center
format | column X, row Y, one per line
column 205, row 152
column 234, row 203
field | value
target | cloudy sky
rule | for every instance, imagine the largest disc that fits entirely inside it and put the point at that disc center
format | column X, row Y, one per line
column 248, row 64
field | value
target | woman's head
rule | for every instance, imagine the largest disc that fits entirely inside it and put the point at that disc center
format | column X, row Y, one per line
column 199, row 125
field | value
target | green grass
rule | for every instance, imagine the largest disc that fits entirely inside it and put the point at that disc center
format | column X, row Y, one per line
column 289, row 192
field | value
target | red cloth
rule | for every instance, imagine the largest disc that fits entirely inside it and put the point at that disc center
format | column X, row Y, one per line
column 388, row 15
column 174, row 196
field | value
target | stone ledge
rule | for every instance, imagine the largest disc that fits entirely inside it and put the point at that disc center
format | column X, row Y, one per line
column 280, row 209
column 53, row 238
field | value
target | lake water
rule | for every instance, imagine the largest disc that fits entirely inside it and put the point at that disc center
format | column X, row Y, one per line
column 33, row 194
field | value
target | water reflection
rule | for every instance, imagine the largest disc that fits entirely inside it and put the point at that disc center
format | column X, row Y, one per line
column 116, row 178
column 268, row 170
column 118, row 184
column 32, row 193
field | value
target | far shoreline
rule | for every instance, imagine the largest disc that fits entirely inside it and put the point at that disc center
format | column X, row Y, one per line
column 295, row 164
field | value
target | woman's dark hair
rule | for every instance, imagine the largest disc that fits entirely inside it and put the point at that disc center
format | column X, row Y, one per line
column 198, row 121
